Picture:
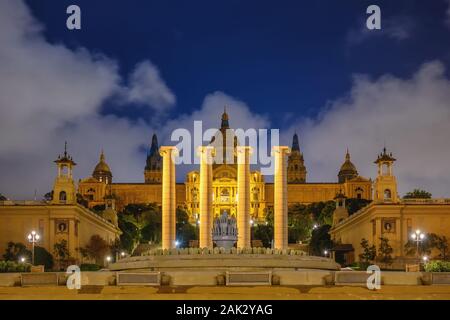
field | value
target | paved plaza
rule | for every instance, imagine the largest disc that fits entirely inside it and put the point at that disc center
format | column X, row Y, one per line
column 227, row 293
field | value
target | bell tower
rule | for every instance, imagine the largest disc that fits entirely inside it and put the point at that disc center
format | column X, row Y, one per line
column 340, row 213
column 153, row 166
column 296, row 170
column 64, row 187
column 385, row 183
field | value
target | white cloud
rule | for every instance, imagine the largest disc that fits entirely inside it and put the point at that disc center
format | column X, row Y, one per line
column 147, row 87
column 49, row 94
column 412, row 116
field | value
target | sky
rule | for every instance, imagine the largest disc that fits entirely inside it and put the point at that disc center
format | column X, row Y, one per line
column 141, row 67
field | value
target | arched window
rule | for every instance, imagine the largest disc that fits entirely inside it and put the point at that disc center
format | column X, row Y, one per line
column 359, row 193
column 62, row 196
column 385, row 169
column 387, row 194
column 255, row 192
column 194, row 194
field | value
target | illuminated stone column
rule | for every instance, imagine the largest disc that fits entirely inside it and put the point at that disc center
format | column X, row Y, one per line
column 280, row 197
column 168, row 154
column 243, row 198
column 206, row 155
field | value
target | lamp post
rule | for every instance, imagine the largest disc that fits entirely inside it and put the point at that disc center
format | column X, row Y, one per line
column 108, row 260
column 418, row 237
column 325, row 252
column 33, row 237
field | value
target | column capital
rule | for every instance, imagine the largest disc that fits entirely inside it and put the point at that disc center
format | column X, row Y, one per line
column 206, row 154
column 172, row 150
column 280, row 149
column 206, row 149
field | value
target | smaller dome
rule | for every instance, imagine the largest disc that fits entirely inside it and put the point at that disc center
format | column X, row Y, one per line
column 348, row 166
column 102, row 166
column 348, row 170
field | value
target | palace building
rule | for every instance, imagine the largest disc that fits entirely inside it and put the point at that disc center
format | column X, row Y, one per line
column 388, row 217
column 62, row 218
column 100, row 184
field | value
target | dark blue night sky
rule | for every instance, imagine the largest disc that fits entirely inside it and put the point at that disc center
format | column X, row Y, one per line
column 289, row 56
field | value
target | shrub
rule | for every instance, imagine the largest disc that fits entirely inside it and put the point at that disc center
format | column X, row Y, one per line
column 43, row 257
column 89, row 267
column 437, row 266
column 11, row 266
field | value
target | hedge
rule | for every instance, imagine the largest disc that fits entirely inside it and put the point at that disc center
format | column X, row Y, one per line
column 437, row 266
column 11, row 266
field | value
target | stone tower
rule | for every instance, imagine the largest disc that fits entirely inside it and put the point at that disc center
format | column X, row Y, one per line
column 296, row 170
column 340, row 213
column 348, row 170
column 64, row 186
column 110, row 212
column 385, row 184
column 153, row 167
column 225, row 143
column 102, row 172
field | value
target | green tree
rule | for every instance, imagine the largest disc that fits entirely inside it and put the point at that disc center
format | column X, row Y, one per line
column 269, row 216
column 48, row 196
column 185, row 230
column 299, row 223
column 97, row 249
column 320, row 240
column 61, row 252
column 385, row 251
column 442, row 245
column 139, row 223
column 82, row 201
column 263, row 232
column 369, row 252
column 353, row 204
column 425, row 246
column 16, row 250
column 418, row 194
column 43, row 257
column 99, row 208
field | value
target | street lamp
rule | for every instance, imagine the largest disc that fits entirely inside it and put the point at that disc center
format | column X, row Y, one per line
column 33, row 237
column 108, row 260
column 122, row 254
column 325, row 252
column 418, row 237
column 22, row 259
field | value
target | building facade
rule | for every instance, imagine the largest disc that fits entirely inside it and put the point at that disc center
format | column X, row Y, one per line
column 95, row 187
column 387, row 216
column 61, row 218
